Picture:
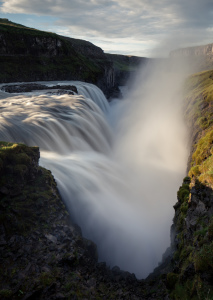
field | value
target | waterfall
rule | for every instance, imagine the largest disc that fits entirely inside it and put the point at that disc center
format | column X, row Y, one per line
column 117, row 186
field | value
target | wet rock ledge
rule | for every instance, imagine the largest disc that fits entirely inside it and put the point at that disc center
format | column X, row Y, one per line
column 42, row 254
column 31, row 87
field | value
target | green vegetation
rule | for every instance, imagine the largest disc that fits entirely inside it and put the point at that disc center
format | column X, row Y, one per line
column 11, row 27
column 183, row 192
column 122, row 62
column 202, row 159
column 18, row 213
column 198, row 93
column 32, row 55
column 172, row 278
column 6, row 293
column 203, row 259
column 194, row 253
column 199, row 110
column 192, row 290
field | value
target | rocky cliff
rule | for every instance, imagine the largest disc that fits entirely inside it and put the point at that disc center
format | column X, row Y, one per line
column 42, row 254
column 200, row 56
column 189, row 270
column 27, row 54
column 126, row 67
column 193, row 51
column 30, row 55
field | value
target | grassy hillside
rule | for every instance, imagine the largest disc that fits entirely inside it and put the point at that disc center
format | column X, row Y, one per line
column 28, row 54
column 8, row 26
column 199, row 110
column 192, row 273
column 122, row 62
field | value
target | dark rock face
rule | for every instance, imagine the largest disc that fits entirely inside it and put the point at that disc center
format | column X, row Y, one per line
column 29, row 87
column 31, row 55
column 25, row 45
column 192, row 243
column 42, row 254
column 190, row 263
column 125, row 67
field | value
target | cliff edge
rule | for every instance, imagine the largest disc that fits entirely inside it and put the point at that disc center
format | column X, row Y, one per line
column 27, row 54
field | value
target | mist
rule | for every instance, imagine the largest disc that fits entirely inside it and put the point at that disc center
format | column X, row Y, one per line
column 118, row 168
column 124, row 199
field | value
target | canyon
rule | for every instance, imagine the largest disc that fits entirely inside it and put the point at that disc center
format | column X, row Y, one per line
column 43, row 252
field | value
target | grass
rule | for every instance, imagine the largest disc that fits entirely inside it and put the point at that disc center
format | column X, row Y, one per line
column 195, row 246
column 198, row 92
column 202, row 159
column 67, row 61
column 122, row 62
column 11, row 27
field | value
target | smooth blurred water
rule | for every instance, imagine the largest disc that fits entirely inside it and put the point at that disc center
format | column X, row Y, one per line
column 118, row 167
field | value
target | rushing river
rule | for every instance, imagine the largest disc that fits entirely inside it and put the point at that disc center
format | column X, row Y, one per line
column 117, row 166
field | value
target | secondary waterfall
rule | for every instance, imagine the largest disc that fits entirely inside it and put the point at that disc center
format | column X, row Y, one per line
column 117, row 167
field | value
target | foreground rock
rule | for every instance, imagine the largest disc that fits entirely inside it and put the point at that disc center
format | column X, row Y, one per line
column 42, row 254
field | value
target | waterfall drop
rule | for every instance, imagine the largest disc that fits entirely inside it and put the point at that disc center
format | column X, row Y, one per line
column 117, row 167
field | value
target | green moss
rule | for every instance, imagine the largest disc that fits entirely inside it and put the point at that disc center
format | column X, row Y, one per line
column 210, row 230
column 172, row 279
column 202, row 160
column 20, row 170
column 204, row 258
column 184, row 208
column 194, row 171
column 195, row 245
column 122, row 62
column 194, row 289
column 203, row 149
column 46, row 279
column 6, row 293
column 183, row 193
column 14, row 28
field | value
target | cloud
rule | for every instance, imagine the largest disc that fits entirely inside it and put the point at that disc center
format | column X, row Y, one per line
column 140, row 20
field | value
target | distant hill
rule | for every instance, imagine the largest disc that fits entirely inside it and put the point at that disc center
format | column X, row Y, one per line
column 28, row 54
column 201, row 56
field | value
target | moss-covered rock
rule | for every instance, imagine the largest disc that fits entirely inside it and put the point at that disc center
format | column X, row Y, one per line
column 192, row 228
column 42, row 254
column 27, row 54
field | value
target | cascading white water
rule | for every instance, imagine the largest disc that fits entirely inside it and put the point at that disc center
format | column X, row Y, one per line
column 118, row 181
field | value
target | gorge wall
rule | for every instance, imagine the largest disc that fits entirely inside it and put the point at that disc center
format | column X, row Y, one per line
column 43, row 255
column 201, row 57
column 193, row 51
column 27, row 54
column 189, row 273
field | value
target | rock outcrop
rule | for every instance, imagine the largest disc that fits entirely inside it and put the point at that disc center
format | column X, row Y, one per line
column 126, row 67
column 200, row 57
column 189, row 266
column 193, row 51
column 42, row 254
column 27, row 55
column 29, row 87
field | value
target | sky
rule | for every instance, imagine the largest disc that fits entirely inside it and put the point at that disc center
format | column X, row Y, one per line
column 137, row 27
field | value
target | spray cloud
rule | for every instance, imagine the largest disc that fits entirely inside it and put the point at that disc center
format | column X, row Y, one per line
column 122, row 196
